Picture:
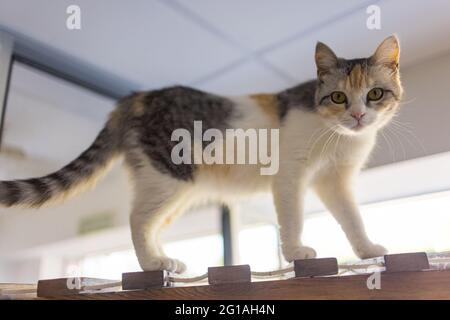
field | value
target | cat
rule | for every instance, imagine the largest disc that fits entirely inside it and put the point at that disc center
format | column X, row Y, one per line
column 327, row 130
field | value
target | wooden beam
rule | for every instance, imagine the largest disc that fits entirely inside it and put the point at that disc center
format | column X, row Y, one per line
column 396, row 285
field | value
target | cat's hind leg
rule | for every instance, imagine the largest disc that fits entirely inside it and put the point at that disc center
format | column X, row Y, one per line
column 145, row 233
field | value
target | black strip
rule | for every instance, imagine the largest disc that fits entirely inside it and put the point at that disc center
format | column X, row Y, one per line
column 227, row 236
column 5, row 99
column 61, row 179
column 325, row 97
column 41, row 188
column 13, row 193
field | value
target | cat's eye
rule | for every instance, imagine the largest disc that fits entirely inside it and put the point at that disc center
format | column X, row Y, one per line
column 375, row 94
column 338, row 97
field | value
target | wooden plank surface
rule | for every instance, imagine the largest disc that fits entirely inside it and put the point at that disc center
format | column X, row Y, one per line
column 17, row 291
column 400, row 285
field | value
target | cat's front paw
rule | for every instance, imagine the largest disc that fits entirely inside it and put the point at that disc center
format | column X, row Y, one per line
column 370, row 250
column 299, row 253
column 163, row 263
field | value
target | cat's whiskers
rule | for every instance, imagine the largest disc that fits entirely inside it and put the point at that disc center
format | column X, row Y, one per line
column 319, row 132
column 409, row 130
column 311, row 150
column 327, row 142
column 395, row 135
column 336, row 148
column 308, row 144
column 402, row 103
column 403, row 135
column 391, row 149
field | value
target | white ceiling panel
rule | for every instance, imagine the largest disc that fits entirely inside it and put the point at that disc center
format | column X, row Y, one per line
column 422, row 26
column 250, row 77
column 154, row 43
column 143, row 40
column 255, row 24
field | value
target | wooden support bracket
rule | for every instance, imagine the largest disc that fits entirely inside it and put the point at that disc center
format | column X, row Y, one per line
column 229, row 274
column 315, row 267
column 416, row 261
column 144, row 280
column 66, row 286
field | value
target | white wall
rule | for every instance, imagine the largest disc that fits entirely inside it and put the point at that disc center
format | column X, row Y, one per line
column 426, row 113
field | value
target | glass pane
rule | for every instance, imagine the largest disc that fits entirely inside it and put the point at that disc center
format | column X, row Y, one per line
column 258, row 247
column 198, row 253
column 106, row 266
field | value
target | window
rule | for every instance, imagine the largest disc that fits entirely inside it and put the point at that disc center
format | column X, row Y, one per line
column 420, row 223
column 198, row 253
column 258, row 247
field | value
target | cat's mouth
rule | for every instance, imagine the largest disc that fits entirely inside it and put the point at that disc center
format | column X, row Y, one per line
column 358, row 126
column 353, row 129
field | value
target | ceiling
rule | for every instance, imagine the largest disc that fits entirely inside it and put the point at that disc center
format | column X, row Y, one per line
column 230, row 47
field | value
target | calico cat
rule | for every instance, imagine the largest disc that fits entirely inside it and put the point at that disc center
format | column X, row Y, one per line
column 327, row 129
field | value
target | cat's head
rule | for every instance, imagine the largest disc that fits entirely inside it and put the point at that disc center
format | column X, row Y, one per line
column 357, row 95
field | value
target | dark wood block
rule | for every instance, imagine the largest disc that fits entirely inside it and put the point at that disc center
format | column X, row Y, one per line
column 229, row 274
column 315, row 267
column 66, row 286
column 416, row 261
column 143, row 280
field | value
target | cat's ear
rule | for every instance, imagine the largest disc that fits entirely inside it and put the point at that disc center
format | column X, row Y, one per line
column 387, row 53
column 325, row 59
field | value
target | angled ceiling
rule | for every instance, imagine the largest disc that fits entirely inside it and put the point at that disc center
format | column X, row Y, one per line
column 230, row 47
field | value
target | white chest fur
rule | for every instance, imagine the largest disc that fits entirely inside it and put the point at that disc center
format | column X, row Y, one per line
column 305, row 138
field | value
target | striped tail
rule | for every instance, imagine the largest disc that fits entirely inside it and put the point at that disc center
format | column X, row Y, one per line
column 79, row 175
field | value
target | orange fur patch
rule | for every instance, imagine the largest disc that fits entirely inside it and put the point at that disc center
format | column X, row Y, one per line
column 138, row 106
column 331, row 111
column 219, row 171
column 268, row 104
column 356, row 78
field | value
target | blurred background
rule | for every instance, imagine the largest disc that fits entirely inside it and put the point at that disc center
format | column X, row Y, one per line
column 63, row 83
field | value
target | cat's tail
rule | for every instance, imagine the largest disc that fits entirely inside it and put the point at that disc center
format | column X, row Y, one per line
column 79, row 175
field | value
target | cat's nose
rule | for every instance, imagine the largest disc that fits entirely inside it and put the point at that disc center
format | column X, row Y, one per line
column 358, row 115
